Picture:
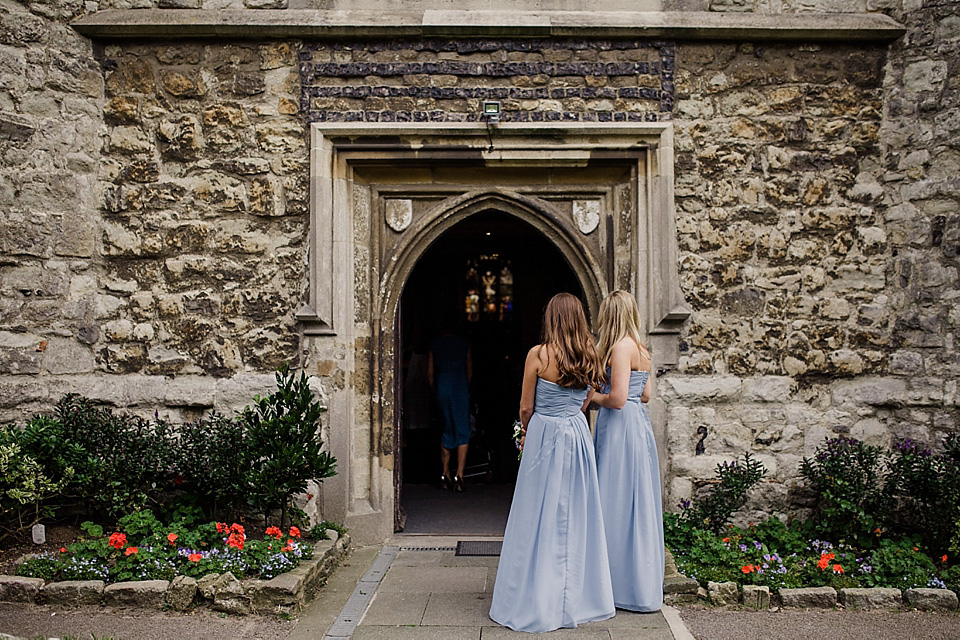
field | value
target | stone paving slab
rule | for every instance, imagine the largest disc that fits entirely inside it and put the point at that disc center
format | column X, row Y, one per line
column 425, row 559
column 396, row 608
column 580, row 633
column 458, row 609
column 416, row 633
column 438, row 580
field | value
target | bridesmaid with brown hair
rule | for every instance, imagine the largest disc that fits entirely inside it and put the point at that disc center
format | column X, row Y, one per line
column 553, row 569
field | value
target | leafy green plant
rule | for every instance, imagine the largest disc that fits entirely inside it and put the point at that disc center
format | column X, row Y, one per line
column 728, row 494
column 848, row 478
column 925, row 488
column 285, row 444
column 23, row 490
column 900, row 564
column 125, row 460
column 319, row 531
column 214, row 463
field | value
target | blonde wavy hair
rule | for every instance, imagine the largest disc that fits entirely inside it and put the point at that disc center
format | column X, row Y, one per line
column 565, row 330
column 619, row 318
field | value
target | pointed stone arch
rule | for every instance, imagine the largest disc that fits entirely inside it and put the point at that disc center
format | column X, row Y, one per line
column 538, row 213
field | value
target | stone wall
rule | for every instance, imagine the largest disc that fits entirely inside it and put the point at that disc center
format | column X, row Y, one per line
column 818, row 218
column 155, row 211
column 154, row 200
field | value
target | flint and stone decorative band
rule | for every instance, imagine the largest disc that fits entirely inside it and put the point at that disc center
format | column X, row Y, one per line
column 336, row 90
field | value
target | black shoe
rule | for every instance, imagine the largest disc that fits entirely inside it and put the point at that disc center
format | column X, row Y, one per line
column 458, row 484
column 445, row 482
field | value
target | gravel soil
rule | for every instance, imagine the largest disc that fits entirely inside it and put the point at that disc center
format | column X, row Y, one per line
column 58, row 535
column 707, row 623
column 31, row 621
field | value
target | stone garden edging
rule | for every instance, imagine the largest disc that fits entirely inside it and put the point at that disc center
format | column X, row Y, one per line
column 285, row 593
column 757, row 597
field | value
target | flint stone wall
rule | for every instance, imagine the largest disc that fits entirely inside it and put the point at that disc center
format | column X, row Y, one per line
column 155, row 206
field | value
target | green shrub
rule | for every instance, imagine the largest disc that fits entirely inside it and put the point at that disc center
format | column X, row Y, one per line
column 214, row 464
column 900, row 564
column 713, row 511
column 24, row 488
column 285, row 444
column 925, row 488
column 848, row 478
column 127, row 459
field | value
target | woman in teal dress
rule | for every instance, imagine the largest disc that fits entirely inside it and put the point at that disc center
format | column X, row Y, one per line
column 627, row 464
column 553, row 568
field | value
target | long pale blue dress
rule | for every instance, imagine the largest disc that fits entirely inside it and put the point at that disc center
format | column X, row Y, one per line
column 629, row 474
column 553, row 569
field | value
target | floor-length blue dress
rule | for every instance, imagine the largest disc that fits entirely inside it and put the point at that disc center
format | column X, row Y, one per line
column 629, row 474
column 553, row 569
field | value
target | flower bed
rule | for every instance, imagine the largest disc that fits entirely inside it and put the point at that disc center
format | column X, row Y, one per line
column 286, row 592
column 881, row 519
column 774, row 555
column 160, row 555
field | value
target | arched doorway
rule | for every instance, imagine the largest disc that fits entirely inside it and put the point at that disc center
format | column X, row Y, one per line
column 507, row 270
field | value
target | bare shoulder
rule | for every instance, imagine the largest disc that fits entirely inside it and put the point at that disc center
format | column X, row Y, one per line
column 626, row 347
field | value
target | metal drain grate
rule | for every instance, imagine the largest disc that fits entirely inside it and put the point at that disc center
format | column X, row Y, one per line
column 428, row 548
column 479, row 547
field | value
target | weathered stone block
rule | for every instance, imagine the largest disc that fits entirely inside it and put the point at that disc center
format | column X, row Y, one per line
column 18, row 589
column 723, row 593
column 756, row 596
column 74, row 593
column 701, row 388
column 680, row 584
column 809, row 597
column 63, row 356
column 767, row 389
column 205, row 585
column 140, row 593
column 181, row 593
column 285, row 590
column 229, row 596
column 931, row 599
column 878, row 598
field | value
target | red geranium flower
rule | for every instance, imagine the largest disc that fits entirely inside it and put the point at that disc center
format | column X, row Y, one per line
column 288, row 547
column 64, row 550
column 222, row 527
column 172, row 538
column 295, row 532
column 748, row 568
column 944, row 558
column 118, row 540
column 195, row 557
column 235, row 540
column 129, row 551
column 837, row 568
column 275, row 532
column 236, row 527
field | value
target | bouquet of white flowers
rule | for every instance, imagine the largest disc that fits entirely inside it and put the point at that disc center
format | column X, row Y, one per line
column 517, row 435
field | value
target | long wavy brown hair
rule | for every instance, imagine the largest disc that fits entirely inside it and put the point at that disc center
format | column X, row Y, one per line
column 565, row 331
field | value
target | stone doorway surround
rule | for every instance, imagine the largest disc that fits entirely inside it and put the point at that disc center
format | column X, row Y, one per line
column 381, row 194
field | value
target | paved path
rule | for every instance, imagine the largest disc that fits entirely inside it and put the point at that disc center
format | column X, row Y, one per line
column 429, row 593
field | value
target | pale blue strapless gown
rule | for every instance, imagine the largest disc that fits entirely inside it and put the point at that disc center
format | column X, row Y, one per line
column 553, row 569
column 629, row 474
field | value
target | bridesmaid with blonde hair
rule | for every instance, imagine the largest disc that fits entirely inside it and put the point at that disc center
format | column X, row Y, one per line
column 627, row 464
column 553, row 569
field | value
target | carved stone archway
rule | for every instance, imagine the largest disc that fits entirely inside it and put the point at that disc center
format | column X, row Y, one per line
column 601, row 194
